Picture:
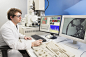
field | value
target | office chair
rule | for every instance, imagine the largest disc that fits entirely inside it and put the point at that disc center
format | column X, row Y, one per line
column 5, row 48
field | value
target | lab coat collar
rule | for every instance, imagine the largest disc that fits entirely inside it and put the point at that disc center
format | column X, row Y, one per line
column 12, row 24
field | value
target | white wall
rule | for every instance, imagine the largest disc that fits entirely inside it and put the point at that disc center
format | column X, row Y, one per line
column 5, row 5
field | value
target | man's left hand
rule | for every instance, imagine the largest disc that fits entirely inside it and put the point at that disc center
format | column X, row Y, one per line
column 27, row 38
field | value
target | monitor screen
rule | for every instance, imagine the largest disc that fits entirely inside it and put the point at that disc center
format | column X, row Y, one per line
column 73, row 27
column 50, row 24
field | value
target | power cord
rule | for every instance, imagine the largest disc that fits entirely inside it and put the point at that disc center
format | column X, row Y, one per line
column 48, row 5
column 82, row 53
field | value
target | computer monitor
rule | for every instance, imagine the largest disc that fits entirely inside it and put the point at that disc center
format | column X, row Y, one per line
column 50, row 24
column 74, row 27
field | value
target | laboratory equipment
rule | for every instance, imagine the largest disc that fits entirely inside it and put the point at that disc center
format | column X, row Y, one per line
column 35, row 9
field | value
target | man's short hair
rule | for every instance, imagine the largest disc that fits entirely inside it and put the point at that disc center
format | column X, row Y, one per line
column 12, row 11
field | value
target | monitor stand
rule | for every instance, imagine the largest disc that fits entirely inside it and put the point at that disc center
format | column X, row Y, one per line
column 53, row 36
column 72, row 43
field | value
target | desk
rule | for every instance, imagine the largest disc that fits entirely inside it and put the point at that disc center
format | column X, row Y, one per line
column 77, row 52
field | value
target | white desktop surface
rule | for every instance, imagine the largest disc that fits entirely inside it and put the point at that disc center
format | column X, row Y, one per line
column 76, row 52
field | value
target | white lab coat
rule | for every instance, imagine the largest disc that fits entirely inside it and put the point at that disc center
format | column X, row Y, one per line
column 11, row 36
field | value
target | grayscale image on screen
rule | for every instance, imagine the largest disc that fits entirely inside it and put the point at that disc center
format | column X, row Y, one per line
column 74, row 27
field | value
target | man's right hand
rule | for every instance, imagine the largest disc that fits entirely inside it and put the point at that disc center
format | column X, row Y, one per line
column 36, row 43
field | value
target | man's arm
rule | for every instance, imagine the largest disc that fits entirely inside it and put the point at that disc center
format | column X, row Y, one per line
column 13, row 42
column 21, row 36
column 24, row 37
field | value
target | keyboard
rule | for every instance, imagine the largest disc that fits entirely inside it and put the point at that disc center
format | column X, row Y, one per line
column 36, row 37
column 51, row 49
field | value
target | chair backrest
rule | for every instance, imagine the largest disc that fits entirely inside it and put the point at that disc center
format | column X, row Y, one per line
column 2, row 42
column 5, row 47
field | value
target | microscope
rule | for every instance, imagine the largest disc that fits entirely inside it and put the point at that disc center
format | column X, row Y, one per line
column 35, row 11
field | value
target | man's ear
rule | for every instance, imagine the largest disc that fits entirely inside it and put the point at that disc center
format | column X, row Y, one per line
column 11, row 17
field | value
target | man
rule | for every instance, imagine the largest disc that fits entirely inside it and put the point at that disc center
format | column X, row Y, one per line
column 9, row 32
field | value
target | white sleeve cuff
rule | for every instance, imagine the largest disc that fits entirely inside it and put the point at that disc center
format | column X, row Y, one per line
column 28, row 45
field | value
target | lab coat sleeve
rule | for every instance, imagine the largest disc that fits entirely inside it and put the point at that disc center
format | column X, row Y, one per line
column 12, row 42
column 21, row 35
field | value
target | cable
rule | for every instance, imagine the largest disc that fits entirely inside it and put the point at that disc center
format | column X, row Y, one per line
column 82, row 53
column 48, row 5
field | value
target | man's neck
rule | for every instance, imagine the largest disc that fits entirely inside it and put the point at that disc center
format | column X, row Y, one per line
column 14, row 23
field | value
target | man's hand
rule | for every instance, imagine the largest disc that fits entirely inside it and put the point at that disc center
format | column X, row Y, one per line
column 27, row 38
column 37, row 43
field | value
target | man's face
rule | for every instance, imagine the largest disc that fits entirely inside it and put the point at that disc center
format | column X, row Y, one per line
column 17, row 18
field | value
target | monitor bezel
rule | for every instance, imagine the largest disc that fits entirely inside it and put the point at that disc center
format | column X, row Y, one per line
column 70, row 37
column 47, row 31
